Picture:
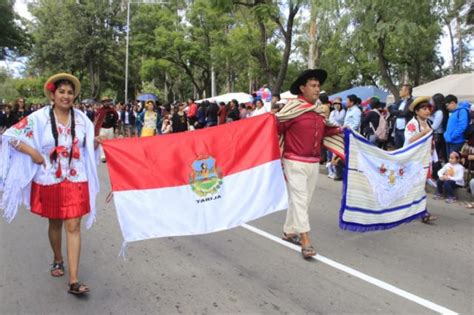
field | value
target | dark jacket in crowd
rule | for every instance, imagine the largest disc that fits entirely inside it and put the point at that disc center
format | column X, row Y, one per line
column 233, row 114
column 90, row 114
column 201, row 117
column 211, row 114
column 131, row 117
column 370, row 118
column 179, row 122
column 8, row 121
column 395, row 111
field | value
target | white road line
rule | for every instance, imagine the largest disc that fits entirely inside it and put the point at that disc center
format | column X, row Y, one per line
column 381, row 284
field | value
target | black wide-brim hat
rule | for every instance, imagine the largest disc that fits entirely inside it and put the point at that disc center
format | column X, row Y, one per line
column 318, row 74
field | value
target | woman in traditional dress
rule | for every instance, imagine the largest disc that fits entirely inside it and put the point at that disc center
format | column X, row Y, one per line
column 417, row 128
column 48, row 162
column 150, row 120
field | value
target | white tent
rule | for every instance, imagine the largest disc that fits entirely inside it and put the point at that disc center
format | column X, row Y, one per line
column 287, row 96
column 240, row 97
column 460, row 85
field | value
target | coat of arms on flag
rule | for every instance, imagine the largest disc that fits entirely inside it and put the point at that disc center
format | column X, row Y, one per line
column 206, row 178
column 383, row 189
column 196, row 182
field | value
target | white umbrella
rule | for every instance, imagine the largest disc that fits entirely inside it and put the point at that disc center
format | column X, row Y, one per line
column 239, row 96
column 287, row 96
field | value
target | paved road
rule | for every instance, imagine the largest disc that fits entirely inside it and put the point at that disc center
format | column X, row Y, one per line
column 238, row 271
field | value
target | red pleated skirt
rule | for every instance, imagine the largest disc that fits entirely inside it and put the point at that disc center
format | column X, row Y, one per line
column 65, row 200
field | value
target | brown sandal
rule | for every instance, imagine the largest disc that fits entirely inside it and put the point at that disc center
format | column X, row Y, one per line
column 78, row 288
column 428, row 218
column 57, row 269
column 469, row 205
column 308, row 251
column 292, row 238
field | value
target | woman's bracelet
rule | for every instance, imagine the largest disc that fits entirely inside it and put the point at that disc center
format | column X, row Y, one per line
column 15, row 143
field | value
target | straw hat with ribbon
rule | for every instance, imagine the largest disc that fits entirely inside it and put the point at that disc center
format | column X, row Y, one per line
column 419, row 100
column 50, row 87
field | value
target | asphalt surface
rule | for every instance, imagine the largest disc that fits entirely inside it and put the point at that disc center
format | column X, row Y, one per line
column 238, row 271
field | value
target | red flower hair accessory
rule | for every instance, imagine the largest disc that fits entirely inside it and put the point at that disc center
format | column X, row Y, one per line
column 51, row 87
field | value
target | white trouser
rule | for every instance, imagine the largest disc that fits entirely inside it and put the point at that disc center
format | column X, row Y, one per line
column 107, row 133
column 301, row 181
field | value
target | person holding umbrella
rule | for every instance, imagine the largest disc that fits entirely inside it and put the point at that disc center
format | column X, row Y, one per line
column 149, row 119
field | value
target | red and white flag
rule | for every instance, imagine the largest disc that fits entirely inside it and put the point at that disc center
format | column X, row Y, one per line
column 196, row 182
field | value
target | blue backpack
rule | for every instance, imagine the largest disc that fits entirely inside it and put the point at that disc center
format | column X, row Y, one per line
column 469, row 129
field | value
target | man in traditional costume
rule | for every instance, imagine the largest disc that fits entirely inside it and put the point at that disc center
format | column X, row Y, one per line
column 105, row 122
column 302, row 126
column 48, row 162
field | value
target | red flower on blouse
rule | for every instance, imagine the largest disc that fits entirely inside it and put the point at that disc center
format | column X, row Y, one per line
column 21, row 124
column 411, row 127
column 72, row 172
column 401, row 171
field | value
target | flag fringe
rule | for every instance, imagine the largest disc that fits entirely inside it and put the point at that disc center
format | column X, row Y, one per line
column 354, row 227
column 123, row 251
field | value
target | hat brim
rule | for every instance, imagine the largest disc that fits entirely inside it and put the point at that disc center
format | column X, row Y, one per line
column 62, row 76
column 318, row 74
column 417, row 101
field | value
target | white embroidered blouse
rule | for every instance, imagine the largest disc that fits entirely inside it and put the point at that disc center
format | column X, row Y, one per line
column 57, row 171
column 17, row 170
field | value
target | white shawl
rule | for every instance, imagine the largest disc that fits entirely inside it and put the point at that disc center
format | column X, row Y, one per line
column 17, row 170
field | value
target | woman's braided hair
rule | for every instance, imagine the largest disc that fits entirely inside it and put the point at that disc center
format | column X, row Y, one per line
column 54, row 128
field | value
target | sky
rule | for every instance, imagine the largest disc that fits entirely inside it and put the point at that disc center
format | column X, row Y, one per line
column 22, row 9
column 16, row 67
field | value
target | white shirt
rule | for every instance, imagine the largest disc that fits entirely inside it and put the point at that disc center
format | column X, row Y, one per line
column 337, row 117
column 401, row 122
column 127, row 121
column 436, row 122
column 412, row 129
column 76, row 170
column 454, row 172
column 259, row 111
column 352, row 118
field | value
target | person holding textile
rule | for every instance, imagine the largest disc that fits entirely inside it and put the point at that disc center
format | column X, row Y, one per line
column 302, row 126
column 417, row 128
column 48, row 162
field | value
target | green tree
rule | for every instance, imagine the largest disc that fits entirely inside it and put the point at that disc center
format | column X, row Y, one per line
column 80, row 37
column 8, row 91
column 400, row 35
column 454, row 15
column 13, row 36
column 269, row 16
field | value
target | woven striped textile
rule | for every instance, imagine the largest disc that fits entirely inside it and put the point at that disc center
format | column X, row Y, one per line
column 383, row 189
